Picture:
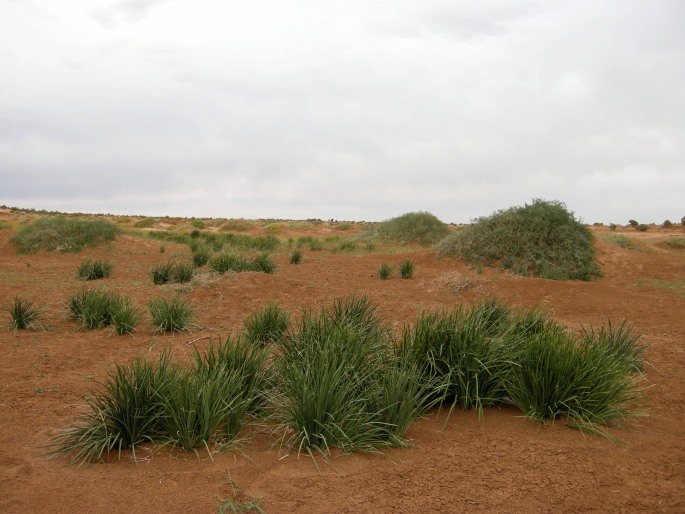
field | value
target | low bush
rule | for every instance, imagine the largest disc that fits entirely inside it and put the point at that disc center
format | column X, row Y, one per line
column 541, row 239
column 201, row 256
column 145, row 223
column 667, row 224
column 675, row 243
column 64, row 234
column 94, row 270
column 267, row 326
column 173, row 314
column 642, row 227
column 24, row 314
column 407, row 269
column 421, row 228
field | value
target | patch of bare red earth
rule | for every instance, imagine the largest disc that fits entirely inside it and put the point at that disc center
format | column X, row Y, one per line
column 503, row 464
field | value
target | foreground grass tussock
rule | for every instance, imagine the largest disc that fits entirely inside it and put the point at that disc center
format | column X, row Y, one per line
column 94, row 270
column 24, row 314
column 97, row 308
column 65, row 234
column 339, row 379
column 541, row 239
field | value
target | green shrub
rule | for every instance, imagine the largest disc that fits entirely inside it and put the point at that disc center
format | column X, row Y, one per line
column 542, row 239
column 667, row 223
column 612, row 226
column 315, row 245
column 93, row 270
column 422, row 228
column 407, row 269
column 65, row 234
column 263, row 263
column 682, row 221
column 642, row 227
column 24, row 313
column 198, row 224
column 267, row 325
column 162, row 273
column 633, row 223
column 194, row 234
column 171, row 314
column 296, row 257
column 384, row 271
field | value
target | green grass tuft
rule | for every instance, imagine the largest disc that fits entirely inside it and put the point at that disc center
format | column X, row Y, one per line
column 173, row 314
column 24, row 314
column 94, row 270
column 384, row 271
column 407, row 269
column 268, row 325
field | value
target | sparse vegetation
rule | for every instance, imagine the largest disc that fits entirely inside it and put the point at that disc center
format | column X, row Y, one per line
column 541, row 239
column 145, row 223
column 422, row 228
column 93, row 270
column 675, row 243
column 620, row 240
column 227, row 262
column 64, row 234
column 24, row 314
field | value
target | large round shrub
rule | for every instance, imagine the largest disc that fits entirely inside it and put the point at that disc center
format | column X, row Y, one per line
column 541, row 239
column 422, row 228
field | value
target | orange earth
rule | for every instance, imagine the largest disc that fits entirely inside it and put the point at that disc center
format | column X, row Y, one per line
column 505, row 464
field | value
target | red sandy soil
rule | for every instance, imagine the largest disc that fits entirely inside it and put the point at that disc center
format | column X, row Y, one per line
column 504, row 464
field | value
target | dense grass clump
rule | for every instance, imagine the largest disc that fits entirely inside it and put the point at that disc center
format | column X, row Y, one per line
column 97, row 308
column 201, row 256
column 541, row 239
column 94, row 270
column 267, row 325
column 342, row 386
column 407, row 269
column 227, row 262
column 421, row 228
column 162, row 273
column 384, row 271
column 24, row 313
column 163, row 402
column 296, row 257
column 173, row 314
column 65, row 234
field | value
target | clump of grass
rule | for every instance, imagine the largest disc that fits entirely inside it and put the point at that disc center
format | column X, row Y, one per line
column 407, row 269
column 24, row 313
column 296, row 257
column 555, row 377
column 163, row 402
column 620, row 341
column 384, row 271
column 162, row 273
column 94, row 270
column 65, row 234
column 340, row 384
column 541, row 239
column 97, row 308
column 227, row 262
column 126, row 412
column 268, row 325
column 201, row 256
column 183, row 272
column 173, row 314
column 421, row 228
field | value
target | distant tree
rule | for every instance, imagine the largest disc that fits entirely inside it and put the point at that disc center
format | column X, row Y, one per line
column 667, row 223
column 633, row 223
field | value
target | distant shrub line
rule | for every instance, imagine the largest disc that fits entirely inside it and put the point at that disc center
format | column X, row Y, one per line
column 64, row 234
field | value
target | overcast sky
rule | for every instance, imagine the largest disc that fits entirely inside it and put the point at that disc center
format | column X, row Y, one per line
column 350, row 109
